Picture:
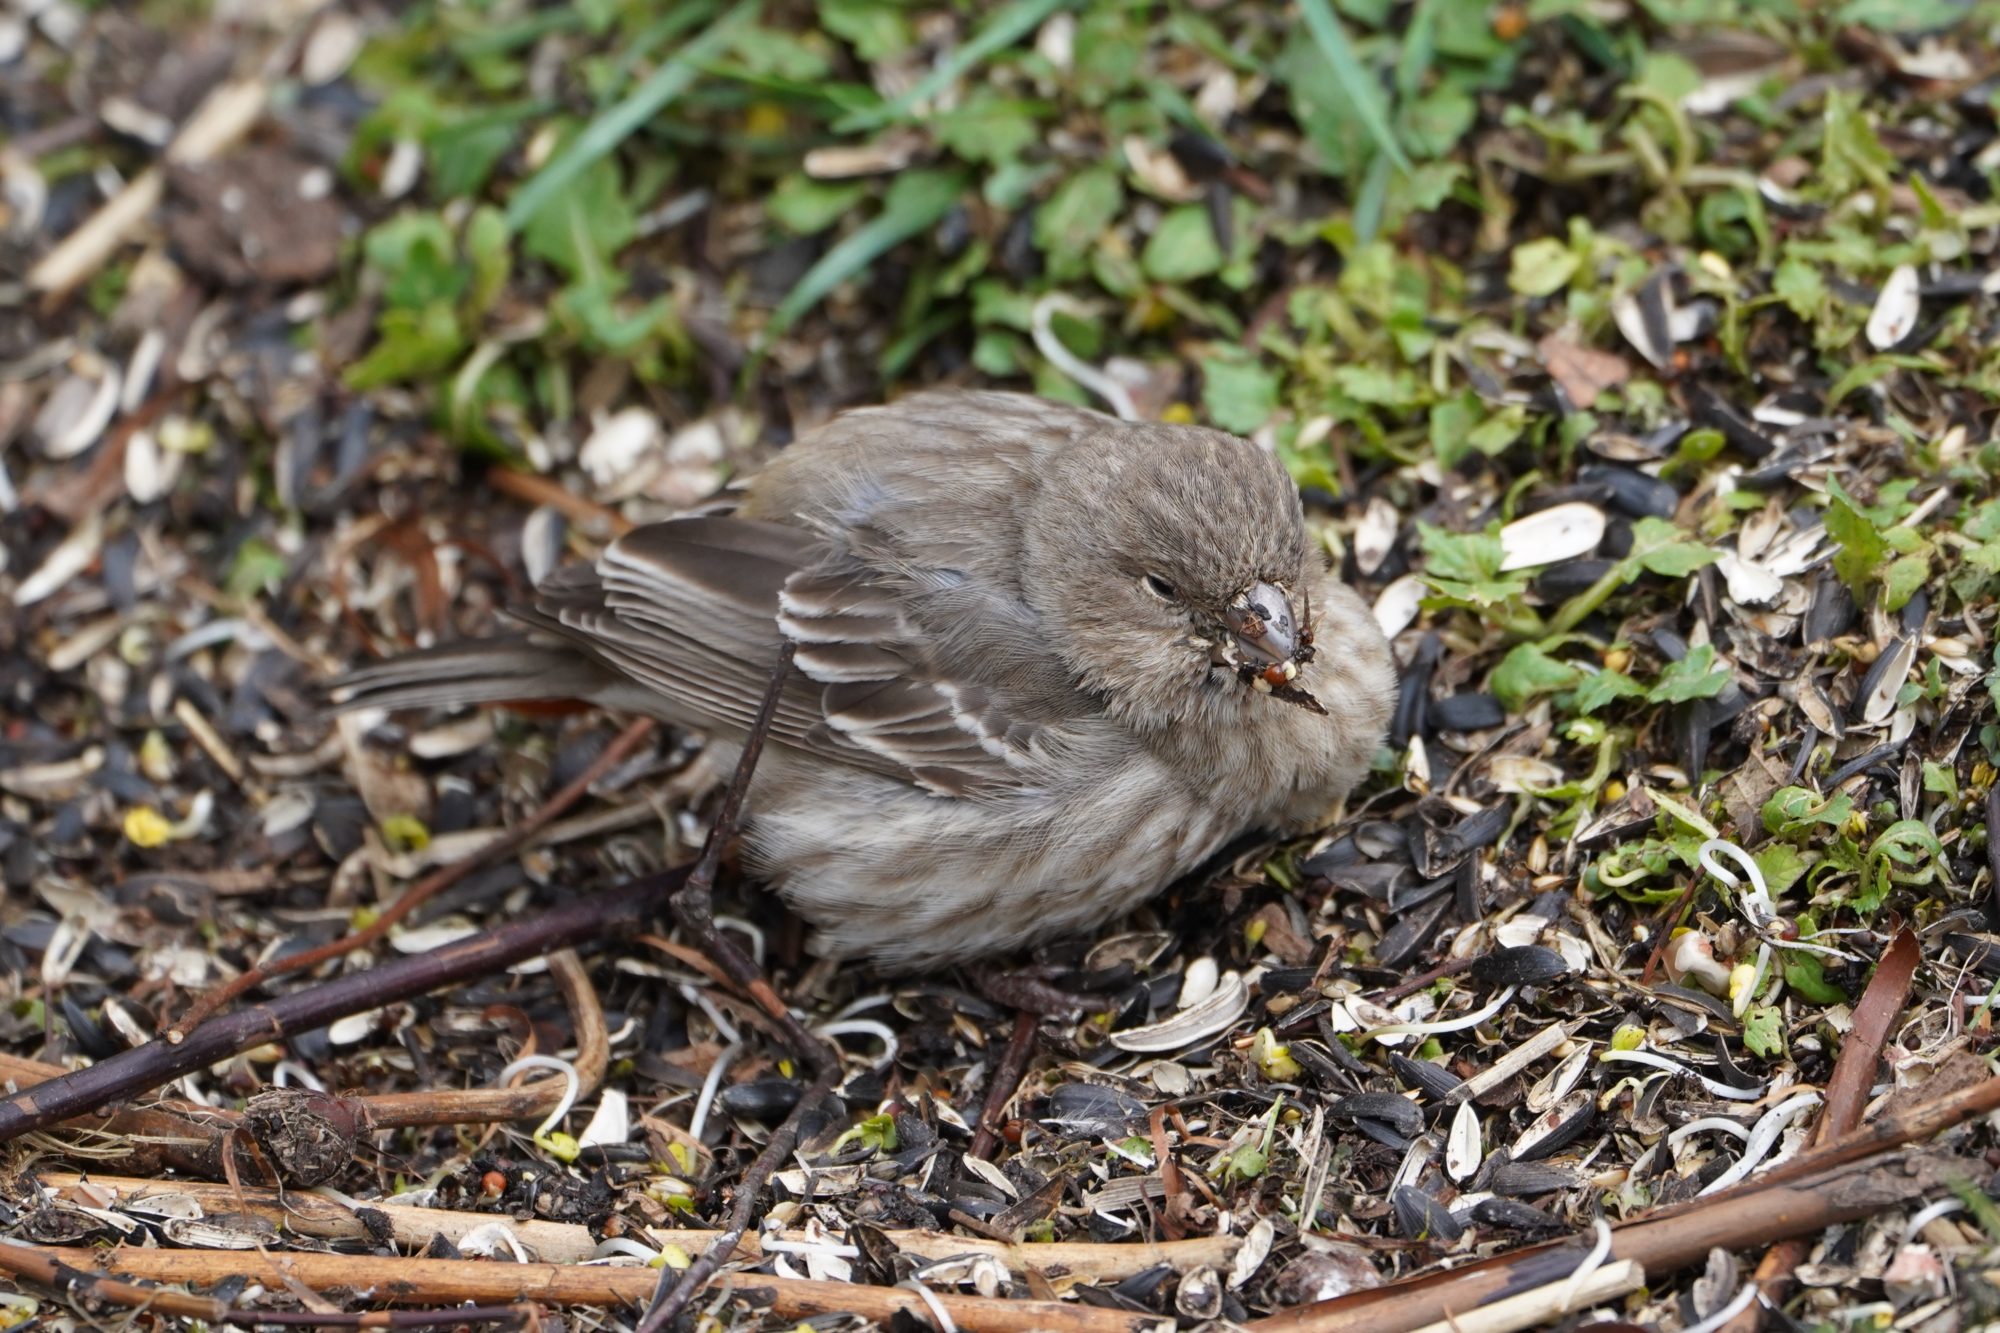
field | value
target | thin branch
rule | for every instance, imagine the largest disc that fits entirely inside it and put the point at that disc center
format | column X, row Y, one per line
column 438, row 1282
column 1888, row 994
column 1006, row 1080
column 158, row 1062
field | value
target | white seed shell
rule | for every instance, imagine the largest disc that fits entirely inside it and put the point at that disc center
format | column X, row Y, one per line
column 1562, row 532
column 1895, row 312
column 1198, row 982
column 1461, row 1149
column 1397, row 605
column 1190, row 1026
column 1750, row 583
column 1375, row 536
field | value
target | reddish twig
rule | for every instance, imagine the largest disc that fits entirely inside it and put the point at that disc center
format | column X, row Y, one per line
column 1887, row 995
column 1006, row 1079
column 51, row 1269
column 159, row 1062
column 540, row 490
column 1666, row 931
column 1446, row 969
column 425, row 889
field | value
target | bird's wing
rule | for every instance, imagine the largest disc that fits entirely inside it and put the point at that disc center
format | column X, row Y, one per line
column 693, row 610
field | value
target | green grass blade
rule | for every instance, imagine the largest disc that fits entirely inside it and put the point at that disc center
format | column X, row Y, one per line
column 1419, row 50
column 615, row 123
column 1372, row 199
column 1363, row 91
column 1008, row 26
column 916, row 201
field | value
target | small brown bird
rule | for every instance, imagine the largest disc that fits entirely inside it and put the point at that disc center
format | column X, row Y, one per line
column 1047, row 662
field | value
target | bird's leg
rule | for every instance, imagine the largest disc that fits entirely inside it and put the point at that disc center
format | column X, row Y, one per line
column 694, row 905
column 694, row 908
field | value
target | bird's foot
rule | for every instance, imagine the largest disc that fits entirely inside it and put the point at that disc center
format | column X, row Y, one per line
column 1028, row 989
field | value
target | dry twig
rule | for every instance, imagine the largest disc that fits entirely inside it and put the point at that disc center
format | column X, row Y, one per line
column 441, row 1281
column 159, row 1062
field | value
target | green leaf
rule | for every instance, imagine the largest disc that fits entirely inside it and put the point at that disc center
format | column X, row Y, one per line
column 1603, row 687
column 1182, row 248
column 1107, row 54
column 1461, row 555
column 877, row 1132
column 1801, row 287
column 1465, row 567
column 1459, row 427
column 1361, row 89
column 492, row 260
column 1239, row 395
column 1792, row 810
column 1906, row 852
column 1850, row 154
column 417, row 258
column 988, row 127
column 1695, row 676
column 593, row 308
column 804, row 206
column 1940, row 780
column 1013, row 22
column 915, row 201
column 1861, row 548
column 1542, row 267
column 1659, row 547
column 413, row 344
column 1902, row 578
column 1069, row 221
column 1782, row 866
column 1382, row 386
column 875, row 29
column 461, row 156
column 1434, row 124
column 1246, row 1163
column 581, row 230
column 613, row 125
column 1806, row 975
column 1764, row 1031
column 256, row 567
column 1912, row 16
column 1527, row 671
column 1666, row 76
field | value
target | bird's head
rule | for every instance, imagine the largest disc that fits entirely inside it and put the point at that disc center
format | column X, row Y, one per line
column 1173, row 572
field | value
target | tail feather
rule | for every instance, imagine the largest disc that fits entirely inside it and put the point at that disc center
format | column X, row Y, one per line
column 515, row 668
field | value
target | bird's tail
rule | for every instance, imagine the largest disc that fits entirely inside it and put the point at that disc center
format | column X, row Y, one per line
column 510, row 669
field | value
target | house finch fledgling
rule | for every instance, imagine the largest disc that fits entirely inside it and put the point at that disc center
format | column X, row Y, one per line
column 1047, row 662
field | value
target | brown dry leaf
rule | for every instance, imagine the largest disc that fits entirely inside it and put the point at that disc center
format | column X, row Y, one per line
column 1583, row 372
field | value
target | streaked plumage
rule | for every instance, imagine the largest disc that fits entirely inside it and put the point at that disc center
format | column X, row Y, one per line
column 998, row 729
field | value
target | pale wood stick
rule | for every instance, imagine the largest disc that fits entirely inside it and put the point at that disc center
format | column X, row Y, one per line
column 218, row 124
column 438, row 1282
column 1545, row 1304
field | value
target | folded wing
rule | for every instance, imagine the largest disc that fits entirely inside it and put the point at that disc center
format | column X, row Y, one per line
column 693, row 609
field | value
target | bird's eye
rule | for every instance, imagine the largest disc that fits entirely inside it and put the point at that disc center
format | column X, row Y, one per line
column 1158, row 586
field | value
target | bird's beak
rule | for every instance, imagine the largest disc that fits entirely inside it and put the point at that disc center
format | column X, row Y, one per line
column 1261, row 620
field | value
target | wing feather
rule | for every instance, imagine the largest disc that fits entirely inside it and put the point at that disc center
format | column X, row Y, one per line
column 693, row 610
